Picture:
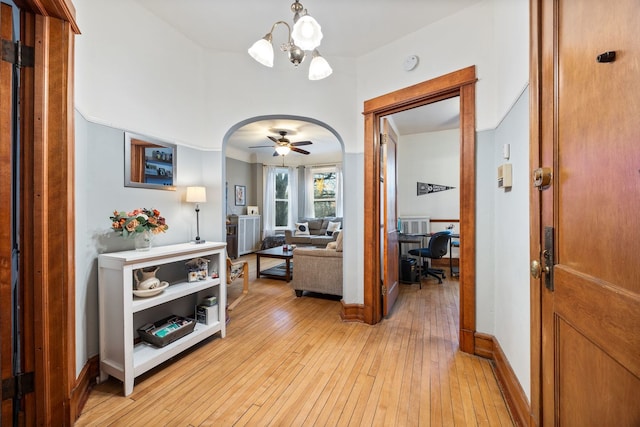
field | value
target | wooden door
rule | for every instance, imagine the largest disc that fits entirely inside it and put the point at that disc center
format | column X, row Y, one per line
column 390, row 254
column 590, row 138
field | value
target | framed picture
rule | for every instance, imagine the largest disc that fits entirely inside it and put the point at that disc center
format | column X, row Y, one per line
column 241, row 195
column 252, row 210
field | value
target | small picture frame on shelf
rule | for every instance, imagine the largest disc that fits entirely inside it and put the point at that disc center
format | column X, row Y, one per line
column 252, row 210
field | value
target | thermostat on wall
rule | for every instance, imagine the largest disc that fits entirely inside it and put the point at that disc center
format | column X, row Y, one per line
column 504, row 175
column 410, row 62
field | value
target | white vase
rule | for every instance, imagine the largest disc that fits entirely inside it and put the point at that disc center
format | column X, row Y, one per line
column 142, row 241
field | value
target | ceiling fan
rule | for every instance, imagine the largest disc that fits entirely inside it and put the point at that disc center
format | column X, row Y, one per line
column 284, row 145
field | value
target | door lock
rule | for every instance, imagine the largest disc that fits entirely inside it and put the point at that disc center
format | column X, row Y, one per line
column 542, row 178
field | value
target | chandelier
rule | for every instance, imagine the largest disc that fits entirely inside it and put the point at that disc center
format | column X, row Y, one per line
column 305, row 36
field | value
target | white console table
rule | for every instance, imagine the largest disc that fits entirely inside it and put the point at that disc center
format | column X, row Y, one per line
column 121, row 313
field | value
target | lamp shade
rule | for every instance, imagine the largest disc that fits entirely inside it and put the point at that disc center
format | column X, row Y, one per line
column 306, row 33
column 262, row 51
column 196, row 194
column 319, row 67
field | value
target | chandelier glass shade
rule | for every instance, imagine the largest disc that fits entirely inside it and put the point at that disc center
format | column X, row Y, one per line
column 319, row 67
column 262, row 51
column 306, row 33
column 305, row 36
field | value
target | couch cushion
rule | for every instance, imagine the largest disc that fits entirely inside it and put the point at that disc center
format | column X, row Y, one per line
column 332, row 227
column 339, row 241
column 314, row 223
column 302, row 229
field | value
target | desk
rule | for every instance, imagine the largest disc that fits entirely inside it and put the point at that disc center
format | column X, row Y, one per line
column 419, row 240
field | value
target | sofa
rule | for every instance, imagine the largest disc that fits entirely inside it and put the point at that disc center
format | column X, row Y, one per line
column 313, row 232
column 318, row 269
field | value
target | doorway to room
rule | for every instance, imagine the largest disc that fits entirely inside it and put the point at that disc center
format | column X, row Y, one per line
column 460, row 84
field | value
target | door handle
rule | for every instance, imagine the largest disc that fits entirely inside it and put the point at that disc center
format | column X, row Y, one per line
column 536, row 269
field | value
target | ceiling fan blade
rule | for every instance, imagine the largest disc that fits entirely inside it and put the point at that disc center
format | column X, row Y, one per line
column 299, row 150
column 272, row 138
column 275, row 154
column 301, row 143
column 262, row 146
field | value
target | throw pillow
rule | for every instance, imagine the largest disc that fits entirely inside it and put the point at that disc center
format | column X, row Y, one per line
column 332, row 245
column 302, row 229
column 333, row 226
column 339, row 241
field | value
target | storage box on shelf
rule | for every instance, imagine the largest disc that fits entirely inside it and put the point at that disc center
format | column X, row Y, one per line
column 122, row 313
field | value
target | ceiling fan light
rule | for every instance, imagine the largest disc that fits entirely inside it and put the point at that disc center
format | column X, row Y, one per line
column 319, row 67
column 262, row 51
column 283, row 150
column 306, row 33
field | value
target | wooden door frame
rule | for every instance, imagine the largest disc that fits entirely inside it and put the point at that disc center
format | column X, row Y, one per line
column 535, row 161
column 47, row 234
column 458, row 83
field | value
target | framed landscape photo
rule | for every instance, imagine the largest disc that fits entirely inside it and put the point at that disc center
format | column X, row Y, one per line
column 241, row 195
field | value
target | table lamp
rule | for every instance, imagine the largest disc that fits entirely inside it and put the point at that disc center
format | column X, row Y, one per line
column 197, row 195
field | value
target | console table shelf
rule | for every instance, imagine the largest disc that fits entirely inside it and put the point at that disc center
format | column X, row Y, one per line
column 121, row 313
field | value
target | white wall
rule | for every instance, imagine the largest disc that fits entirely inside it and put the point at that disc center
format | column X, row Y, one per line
column 100, row 190
column 134, row 72
column 431, row 158
column 511, row 222
column 455, row 42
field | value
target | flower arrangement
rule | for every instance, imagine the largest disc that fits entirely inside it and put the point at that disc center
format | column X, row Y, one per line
column 138, row 221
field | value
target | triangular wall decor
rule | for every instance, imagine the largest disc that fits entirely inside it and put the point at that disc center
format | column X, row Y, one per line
column 426, row 188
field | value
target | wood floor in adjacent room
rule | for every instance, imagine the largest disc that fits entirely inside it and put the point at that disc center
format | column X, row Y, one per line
column 290, row 361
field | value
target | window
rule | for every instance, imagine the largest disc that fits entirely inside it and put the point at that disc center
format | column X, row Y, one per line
column 324, row 192
column 282, row 197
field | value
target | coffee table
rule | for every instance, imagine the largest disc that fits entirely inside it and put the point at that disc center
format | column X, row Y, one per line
column 275, row 272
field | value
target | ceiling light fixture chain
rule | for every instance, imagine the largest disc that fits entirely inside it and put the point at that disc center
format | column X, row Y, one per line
column 305, row 35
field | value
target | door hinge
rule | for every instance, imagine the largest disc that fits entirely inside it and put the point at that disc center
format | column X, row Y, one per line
column 384, row 138
column 17, row 53
column 384, row 290
column 18, row 386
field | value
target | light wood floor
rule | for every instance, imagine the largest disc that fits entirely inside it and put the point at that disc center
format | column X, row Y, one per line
column 290, row 361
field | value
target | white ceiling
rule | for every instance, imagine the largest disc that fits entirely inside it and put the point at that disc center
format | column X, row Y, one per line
column 351, row 28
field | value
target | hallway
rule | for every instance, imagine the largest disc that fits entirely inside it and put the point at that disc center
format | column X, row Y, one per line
column 290, row 361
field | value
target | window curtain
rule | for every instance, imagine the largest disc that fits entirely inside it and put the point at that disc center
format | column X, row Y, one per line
column 268, row 205
column 339, row 190
column 309, row 210
column 293, row 197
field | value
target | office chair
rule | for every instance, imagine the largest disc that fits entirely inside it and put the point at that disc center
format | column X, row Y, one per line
column 438, row 245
